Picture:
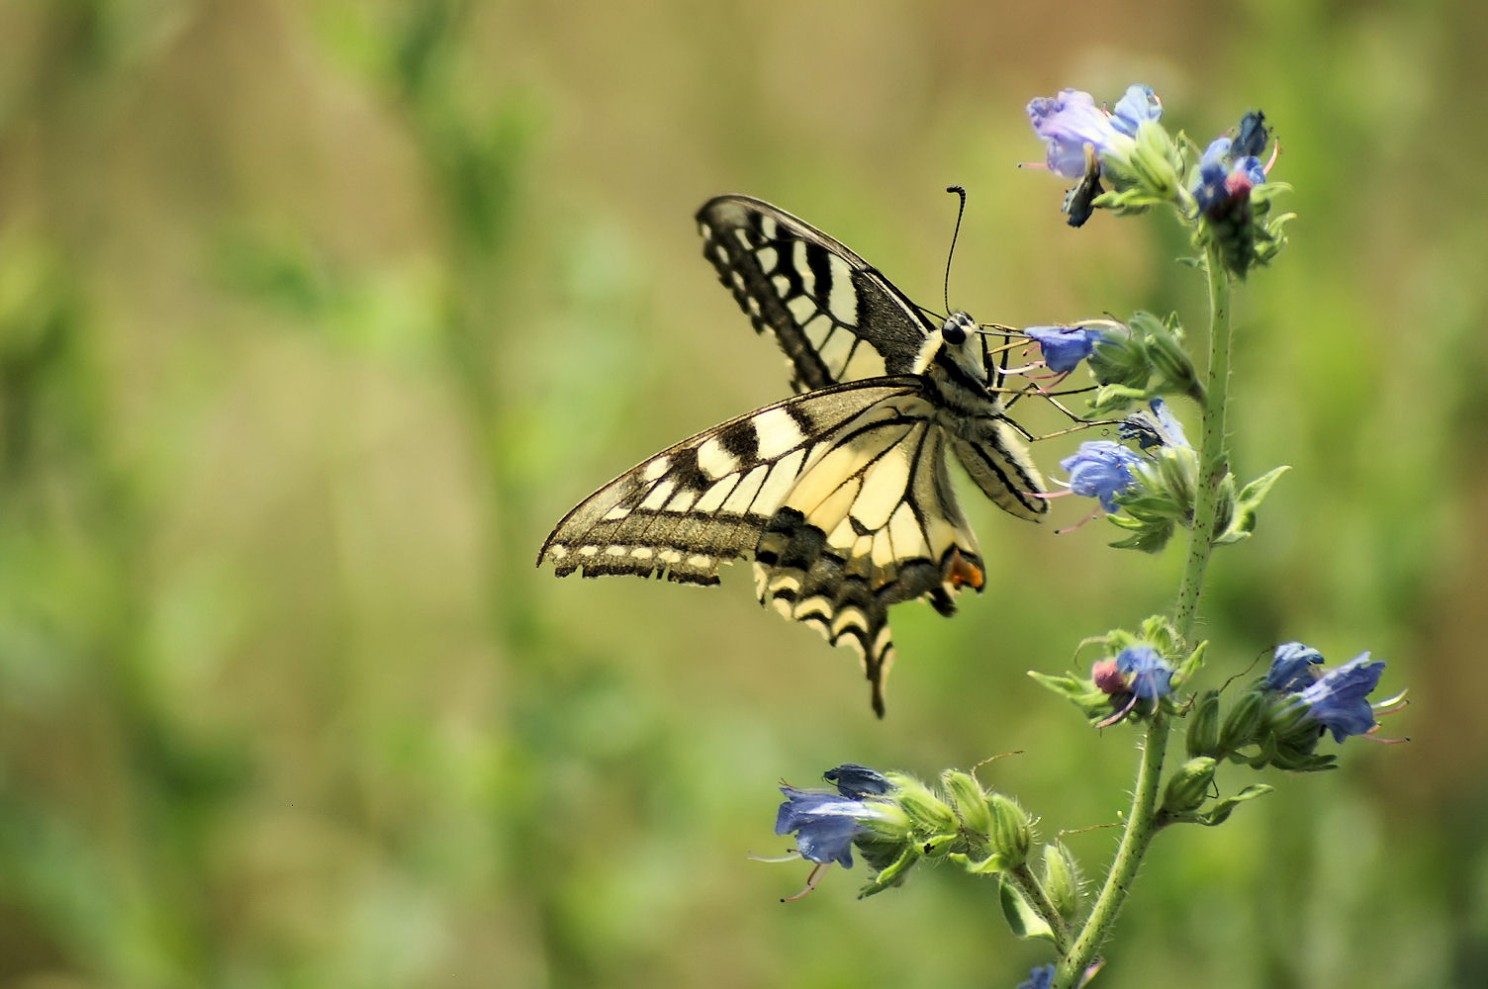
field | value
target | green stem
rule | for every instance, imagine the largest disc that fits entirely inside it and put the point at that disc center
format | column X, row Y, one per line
column 1213, row 459
column 1142, row 823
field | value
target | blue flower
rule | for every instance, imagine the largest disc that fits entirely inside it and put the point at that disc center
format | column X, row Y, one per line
column 1157, row 428
column 1071, row 121
column 1148, row 676
column 1292, row 668
column 1137, row 105
column 1226, row 178
column 1065, row 347
column 1041, row 977
column 825, row 824
column 1101, row 469
column 1339, row 699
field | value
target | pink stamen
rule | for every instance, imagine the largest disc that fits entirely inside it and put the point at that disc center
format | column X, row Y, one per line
column 1080, row 524
column 811, row 881
column 1119, row 715
column 1275, row 151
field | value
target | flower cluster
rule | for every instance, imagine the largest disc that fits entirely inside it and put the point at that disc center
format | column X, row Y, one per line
column 1225, row 195
column 1123, row 146
column 1146, row 478
column 1135, row 677
column 895, row 821
column 1282, row 717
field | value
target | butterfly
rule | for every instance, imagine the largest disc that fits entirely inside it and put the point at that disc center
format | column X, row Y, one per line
column 841, row 494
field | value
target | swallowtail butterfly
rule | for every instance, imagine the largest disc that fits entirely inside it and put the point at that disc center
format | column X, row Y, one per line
column 840, row 494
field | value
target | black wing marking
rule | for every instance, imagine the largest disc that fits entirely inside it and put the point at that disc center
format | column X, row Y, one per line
column 835, row 316
column 841, row 495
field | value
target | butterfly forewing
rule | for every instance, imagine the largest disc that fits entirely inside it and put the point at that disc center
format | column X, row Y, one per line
column 834, row 315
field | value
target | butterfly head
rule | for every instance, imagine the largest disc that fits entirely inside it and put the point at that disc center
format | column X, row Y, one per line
column 957, row 328
column 964, row 343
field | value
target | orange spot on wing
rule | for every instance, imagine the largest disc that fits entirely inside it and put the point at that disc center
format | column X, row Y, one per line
column 959, row 570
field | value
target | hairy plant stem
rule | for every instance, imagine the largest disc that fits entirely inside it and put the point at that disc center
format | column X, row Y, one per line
column 1142, row 822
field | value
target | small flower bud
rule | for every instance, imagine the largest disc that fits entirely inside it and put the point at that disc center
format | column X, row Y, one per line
column 969, row 800
column 1190, row 786
column 1244, row 723
column 1012, row 831
column 1203, row 726
column 1175, row 370
column 1061, row 880
column 1178, row 467
column 927, row 813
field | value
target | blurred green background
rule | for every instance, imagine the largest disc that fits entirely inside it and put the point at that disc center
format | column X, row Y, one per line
column 315, row 317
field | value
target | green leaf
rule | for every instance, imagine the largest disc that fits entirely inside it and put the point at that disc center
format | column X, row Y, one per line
column 1023, row 920
column 1243, row 520
column 1220, row 810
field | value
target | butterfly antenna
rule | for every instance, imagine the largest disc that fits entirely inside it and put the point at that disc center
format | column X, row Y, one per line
column 954, row 234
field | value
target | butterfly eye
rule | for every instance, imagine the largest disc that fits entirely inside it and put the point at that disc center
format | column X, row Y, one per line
column 956, row 328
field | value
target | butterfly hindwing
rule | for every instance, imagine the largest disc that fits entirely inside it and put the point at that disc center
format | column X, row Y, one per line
column 835, row 317
column 840, row 495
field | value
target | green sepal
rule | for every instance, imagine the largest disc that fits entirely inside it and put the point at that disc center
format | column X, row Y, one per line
column 891, row 874
column 1203, row 725
column 1242, row 521
column 1220, row 810
column 1191, row 665
column 1024, row 921
column 1012, row 831
column 1188, row 788
column 1243, row 724
column 1080, row 692
column 1147, row 536
column 1061, row 880
column 969, row 801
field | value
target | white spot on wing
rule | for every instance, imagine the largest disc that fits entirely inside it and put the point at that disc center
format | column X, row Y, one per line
column 844, row 301
column 715, row 461
column 768, row 256
column 904, row 530
column 743, row 496
column 777, row 432
column 682, row 502
column 883, row 489
column 782, row 478
column 819, row 329
column 658, row 496
column 802, row 308
column 656, row 469
column 836, row 349
column 617, row 513
column 713, row 499
column 798, row 259
column 768, row 226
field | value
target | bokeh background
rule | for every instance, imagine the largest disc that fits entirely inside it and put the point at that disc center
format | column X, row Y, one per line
column 315, row 316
